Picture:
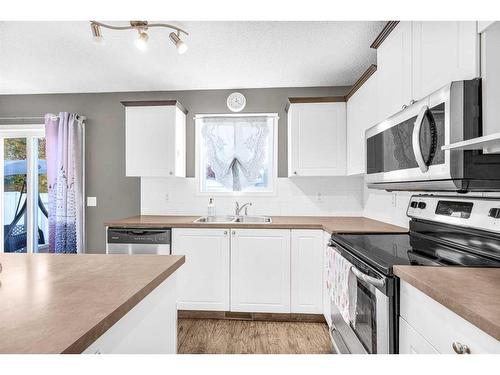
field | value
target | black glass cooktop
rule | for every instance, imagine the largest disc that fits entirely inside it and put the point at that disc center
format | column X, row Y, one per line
column 426, row 246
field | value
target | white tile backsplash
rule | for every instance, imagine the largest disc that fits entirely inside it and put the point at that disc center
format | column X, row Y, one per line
column 337, row 196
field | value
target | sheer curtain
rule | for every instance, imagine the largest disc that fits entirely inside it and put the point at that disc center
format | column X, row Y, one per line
column 64, row 150
column 236, row 148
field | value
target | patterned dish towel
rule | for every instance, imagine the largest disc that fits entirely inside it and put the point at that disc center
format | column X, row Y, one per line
column 343, row 290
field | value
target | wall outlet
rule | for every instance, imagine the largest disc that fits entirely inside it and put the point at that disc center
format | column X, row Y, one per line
column 167, row 197
column 91, row 201
column 394, row 199
column 319, row 197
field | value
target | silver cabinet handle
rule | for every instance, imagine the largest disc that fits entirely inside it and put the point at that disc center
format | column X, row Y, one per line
column 413, row 101
column 369, row 279
column 460, row 348
column 416, row 139
column 170, row 173
column 225, row 233
column 234, row 233
column 295, row 172
column 404, row 106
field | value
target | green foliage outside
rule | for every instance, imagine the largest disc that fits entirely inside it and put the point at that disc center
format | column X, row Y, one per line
column 15, row 149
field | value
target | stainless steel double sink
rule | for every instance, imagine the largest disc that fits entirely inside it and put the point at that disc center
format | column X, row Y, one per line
column 234, row 219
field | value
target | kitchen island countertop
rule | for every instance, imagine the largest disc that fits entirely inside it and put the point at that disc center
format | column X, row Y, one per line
column 61, row 303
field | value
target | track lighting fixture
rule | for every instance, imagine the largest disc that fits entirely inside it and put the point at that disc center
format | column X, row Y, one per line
column 142, row 26
column 179, row 44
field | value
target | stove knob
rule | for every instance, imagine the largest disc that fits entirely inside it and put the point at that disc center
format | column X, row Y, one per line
column 494, row 213
column 413, row 204
column 422, row 205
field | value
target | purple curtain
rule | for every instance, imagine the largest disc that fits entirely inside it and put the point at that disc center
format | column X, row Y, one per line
column 64, row 150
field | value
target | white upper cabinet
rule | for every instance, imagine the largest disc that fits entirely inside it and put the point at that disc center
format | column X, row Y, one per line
column 361, row 114
column 394, row 71
column 443, row 51
column 155, row 139
column 418, row 58
column 317, row 139
column 490, row 74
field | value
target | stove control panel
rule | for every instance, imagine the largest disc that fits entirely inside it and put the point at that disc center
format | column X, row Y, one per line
column 472, row 212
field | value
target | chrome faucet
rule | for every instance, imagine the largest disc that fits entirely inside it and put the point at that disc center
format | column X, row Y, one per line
column 238, row 208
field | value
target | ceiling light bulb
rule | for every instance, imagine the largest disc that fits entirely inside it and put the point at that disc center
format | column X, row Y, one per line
column 96, row 32
column 142, row 41
column 179, row 44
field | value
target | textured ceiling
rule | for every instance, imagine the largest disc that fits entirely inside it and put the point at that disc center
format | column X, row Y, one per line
column 53, row 57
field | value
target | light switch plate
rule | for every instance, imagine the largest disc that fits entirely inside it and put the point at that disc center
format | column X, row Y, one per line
column 91, row 201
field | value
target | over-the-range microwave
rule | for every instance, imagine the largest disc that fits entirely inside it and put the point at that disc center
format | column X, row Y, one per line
column 404, row 152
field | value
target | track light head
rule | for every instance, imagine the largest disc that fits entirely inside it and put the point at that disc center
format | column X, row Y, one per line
column 96, row 32
column 179, row 44
column 142, row 40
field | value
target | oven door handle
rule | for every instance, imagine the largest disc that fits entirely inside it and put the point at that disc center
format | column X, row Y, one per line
column 378, row 283
column 417, row 150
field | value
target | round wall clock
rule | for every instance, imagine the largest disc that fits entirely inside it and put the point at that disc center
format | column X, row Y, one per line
column 236, row 102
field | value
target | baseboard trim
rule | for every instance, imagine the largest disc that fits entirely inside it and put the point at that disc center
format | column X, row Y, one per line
column 265, row 317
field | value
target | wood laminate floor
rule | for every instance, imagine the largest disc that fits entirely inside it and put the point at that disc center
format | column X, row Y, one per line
column 212, row 336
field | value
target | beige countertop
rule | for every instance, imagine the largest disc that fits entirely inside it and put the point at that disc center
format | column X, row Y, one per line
column 61, row 303
column 331, row 224
column 472, row 293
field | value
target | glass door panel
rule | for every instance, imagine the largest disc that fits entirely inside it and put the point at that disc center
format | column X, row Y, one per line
column 40, row 198
column 15, row 217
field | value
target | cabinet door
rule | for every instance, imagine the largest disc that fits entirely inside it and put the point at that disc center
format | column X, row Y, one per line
column 203, row 281
column 412, row 342
column 317, row 139
column 361, row 115
column 327, row 311
column 443, row 51
column 394, row 71
column 260, row 270
column 307, row 267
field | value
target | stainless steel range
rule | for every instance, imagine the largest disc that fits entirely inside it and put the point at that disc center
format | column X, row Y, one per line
column 444, row 231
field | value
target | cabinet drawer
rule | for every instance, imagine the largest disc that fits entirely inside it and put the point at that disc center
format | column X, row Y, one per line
column 440, row 326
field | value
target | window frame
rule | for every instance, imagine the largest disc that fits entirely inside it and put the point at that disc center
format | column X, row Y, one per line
column 30, row 132
column 273, row 178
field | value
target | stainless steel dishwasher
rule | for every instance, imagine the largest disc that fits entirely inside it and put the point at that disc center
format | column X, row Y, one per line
column 139, row 241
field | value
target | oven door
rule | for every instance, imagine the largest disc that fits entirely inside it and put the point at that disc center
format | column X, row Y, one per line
column 371, row 331
column 407, row 146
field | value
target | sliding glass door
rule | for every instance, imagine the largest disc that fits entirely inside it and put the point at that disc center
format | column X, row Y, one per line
column 23, row 191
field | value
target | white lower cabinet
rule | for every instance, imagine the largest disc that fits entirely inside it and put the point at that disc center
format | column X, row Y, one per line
column 203, row 281
column 250, row 270
column 412, row 342
column 260, row 270
column 327, row 306
column 427, row 326
column 307, row 278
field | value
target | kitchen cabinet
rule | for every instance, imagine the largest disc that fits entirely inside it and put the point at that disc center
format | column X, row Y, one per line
column 260, row 270
column 203, row 281
column 327, row 309
column 419, row 57
column 412, row 342
column 306, row 275
column 317, row 139
column 433, row 326
column 155, row 135
column 443, row 51
column 490, row 75
column 361, row 115
column 394, row 72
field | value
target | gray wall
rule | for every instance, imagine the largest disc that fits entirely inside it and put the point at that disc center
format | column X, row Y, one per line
column 119, row 196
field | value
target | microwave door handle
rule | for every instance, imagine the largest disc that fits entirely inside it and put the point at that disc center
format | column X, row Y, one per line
column 380, row 283
column 416, row 139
